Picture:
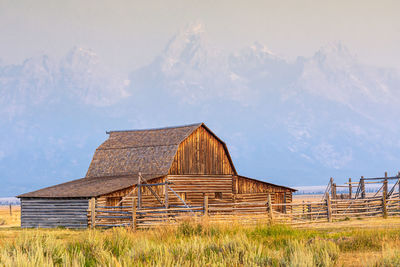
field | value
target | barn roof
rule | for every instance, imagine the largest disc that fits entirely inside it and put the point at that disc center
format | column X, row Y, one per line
column 276, row 185
column 118, row 161
column 88, row 187
column 149, row 151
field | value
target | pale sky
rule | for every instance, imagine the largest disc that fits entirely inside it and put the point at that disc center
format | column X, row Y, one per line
column 128, row 34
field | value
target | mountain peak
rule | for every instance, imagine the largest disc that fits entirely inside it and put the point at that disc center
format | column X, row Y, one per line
column 81, row 56
column 259, row 47
column 335, row 50
column 195, row 28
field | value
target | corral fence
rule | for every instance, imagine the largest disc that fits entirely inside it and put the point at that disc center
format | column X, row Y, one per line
column 326, row 210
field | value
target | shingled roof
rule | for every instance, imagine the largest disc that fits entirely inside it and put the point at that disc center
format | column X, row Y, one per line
column 118, row 161
column 87, row 187
column 148, row 151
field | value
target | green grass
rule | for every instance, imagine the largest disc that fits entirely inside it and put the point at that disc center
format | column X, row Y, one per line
column 192, row 244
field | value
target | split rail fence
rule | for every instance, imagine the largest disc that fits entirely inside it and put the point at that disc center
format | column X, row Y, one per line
column 327, row 210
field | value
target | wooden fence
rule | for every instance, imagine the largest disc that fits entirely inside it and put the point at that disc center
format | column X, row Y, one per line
column 327, row 210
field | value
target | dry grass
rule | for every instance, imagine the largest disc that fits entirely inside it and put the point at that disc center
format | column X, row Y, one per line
column 307, row 198
column 7, row 220
column 367, row 242
column 372, row 242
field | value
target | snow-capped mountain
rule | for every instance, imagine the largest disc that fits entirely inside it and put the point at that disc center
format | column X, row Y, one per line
column 30, row 83
column 294, row 122
column 80, row 77
column 84, row 77
column 327, row 108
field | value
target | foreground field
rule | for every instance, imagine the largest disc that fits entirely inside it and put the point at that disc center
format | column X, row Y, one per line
column 208, row 245
column 7, row 219
column 372, row 242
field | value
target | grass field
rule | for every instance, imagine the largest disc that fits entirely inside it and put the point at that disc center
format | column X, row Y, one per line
column 372, row 242
column 7, row 220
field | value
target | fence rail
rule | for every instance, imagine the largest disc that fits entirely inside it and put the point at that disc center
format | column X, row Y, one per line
column 244, row 212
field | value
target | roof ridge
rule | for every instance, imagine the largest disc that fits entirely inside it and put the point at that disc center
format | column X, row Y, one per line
column 126, row 147
column 156, row 129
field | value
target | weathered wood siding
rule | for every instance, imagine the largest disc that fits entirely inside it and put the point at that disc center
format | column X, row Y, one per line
column 249, row 190
column 50, row 213
column 148, row 199
column 201, row 153
column 196, row 187
column 191, row 188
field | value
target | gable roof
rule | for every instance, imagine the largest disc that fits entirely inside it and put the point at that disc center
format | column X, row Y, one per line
column 118, row 161
column 149, row 151
column 87, row 187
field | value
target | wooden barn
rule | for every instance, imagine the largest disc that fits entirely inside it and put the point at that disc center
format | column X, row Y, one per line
column 190, row 159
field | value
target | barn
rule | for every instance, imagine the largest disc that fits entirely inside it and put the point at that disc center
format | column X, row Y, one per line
column 191, row 159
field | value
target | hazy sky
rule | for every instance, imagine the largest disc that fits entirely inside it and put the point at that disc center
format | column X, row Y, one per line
column 128, row 34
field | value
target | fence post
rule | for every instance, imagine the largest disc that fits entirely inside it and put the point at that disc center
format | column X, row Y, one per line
column 284, row 202
column 384, row 207
column 334, row 191
column 10, row 210
column 93, row 212
column 362, row 187
column 270, row 211
column 309, row 211
column 331, row 187
column 166, row 194
column 134, row 220
column 350, row 188
column 139, row 191
column 206, row 206
column 385, row 188
column 398, row 175
column 328, row 204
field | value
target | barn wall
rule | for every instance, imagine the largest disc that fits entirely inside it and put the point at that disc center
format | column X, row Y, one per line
column 249, row 190
column 191, row 188
column 218, row 188
column 148, row 199
column 201, row 153
column 56, row 212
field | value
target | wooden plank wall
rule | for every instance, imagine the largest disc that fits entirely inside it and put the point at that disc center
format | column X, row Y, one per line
column 196, row 187
column 249, row 190
column 50, row 213
column 201, row 153
column 148, row 199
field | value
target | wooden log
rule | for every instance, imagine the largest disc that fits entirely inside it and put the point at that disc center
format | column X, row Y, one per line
column 270, row 211
column 134, row 217
column 166, row 193
column 334, row 191
column 385, row 187
column 398, row 182
column 384, row 207
column 362, row 187
column 328, row 204
column 350, row 189
column 93, row 212
column 206, row 206
column 139, row 189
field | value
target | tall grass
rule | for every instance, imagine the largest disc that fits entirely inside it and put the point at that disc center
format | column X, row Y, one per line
column 187, row 245
column 191, row 244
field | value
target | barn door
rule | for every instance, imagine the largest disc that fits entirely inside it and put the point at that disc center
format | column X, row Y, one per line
column 280, row 199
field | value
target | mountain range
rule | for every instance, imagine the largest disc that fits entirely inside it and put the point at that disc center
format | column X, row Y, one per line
column 293, row 122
